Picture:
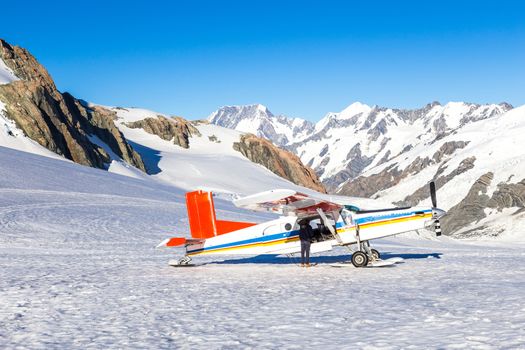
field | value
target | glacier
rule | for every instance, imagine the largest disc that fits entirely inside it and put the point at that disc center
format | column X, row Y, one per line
column 79, row 270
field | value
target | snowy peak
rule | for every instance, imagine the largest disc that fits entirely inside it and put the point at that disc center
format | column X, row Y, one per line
column 257, row 119
column 231, row 116
column 354, row 109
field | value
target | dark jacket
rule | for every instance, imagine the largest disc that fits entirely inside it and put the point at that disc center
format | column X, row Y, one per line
column 305, row 233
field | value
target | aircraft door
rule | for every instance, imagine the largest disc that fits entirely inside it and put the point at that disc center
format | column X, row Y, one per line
column 272, row 229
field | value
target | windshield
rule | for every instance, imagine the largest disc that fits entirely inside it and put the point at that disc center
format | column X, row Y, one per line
column 347, row 216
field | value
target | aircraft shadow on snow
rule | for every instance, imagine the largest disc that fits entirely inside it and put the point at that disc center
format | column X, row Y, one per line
column 277, row 259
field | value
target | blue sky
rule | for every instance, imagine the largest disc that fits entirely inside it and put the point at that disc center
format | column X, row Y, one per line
column 299, row 58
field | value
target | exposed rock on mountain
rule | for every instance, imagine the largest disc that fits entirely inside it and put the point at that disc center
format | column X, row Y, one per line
column 471, row 209
column 258, row 120
column 423, row 192
column 58, row 121
column 280, row 162
column 174, row 129
column 508, row 195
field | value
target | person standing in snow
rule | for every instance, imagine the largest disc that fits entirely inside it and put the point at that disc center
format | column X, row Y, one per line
column 305, row 234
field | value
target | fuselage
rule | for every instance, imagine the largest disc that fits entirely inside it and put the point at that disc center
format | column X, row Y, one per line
column 281, row 236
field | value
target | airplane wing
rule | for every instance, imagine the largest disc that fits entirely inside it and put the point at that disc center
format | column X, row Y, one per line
column 286, row 202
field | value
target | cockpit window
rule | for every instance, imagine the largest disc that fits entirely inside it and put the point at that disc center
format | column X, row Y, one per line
column 352, row 208
column 347, row 216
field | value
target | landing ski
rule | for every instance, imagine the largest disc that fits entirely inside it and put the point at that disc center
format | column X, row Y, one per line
column 377, row 263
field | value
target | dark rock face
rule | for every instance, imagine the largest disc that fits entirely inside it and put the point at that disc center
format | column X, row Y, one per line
column 177, row 129
column 357, row 163
column 508, row 196
column 471, row 209
column 58, row 121
column 448, row 148
column 366, row 186
column 378, row 130
column 282, row 163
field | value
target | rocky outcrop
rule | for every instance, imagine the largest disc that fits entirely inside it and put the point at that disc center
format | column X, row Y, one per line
column 508, row 196
column 174, row 129
column 471, row 209
column 58, row 121
column 282, row 163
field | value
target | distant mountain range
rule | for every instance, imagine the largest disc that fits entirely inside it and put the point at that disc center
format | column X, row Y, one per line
column 470, row 150
column 258, row 120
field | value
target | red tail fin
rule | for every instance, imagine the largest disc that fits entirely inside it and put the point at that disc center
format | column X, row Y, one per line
column 201, row 214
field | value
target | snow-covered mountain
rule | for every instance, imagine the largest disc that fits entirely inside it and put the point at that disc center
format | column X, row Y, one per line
column 478, row 167
column 392, row 154
column 258, row 120
column 36, row 117
column 360, row 137
column 343, row 145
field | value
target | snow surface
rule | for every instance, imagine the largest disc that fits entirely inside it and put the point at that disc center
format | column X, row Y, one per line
column 79, row 271
column 207, row 165
column 6, row 74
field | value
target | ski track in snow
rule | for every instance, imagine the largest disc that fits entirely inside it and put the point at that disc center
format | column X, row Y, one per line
column 79, row 270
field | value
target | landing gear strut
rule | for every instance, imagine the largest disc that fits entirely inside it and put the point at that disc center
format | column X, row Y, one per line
column 375, row 254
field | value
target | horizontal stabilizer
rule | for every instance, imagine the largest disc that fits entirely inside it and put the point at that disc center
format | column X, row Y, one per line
column 179, row 241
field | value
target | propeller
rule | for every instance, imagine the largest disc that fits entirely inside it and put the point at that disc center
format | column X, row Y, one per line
column 433, row 194
column 437, row 224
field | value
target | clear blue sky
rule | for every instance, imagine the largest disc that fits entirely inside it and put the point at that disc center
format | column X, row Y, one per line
column 300, row 58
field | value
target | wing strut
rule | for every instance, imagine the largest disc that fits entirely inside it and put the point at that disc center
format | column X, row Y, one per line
column 327, row 224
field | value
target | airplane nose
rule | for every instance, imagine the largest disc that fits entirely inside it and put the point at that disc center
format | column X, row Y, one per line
column 437, row 213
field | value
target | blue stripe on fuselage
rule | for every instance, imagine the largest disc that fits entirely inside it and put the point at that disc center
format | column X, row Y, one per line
column 252, row 240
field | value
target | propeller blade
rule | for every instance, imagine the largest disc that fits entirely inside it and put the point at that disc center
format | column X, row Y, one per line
column 433, row 194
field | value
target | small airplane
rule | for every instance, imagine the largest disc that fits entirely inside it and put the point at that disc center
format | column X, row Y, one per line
column 338, row 224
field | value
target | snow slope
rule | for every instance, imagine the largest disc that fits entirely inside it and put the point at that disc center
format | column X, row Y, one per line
column 79, row 271
column 207, row 164
column 6, row 74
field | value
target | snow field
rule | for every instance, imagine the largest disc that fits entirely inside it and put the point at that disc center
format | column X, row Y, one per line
column 79, row 271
